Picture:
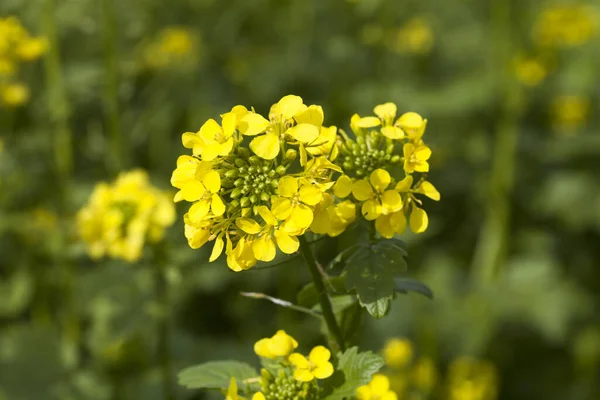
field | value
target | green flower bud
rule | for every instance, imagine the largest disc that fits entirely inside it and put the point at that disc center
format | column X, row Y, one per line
column 254, row 160
column 243, row 152
column 235, row 193
column 281, row 170
column 245, row 202
column 253, row 198
column 265, row 196
column 395, row 159
column 232, row 173
column 238, row 182
column 240, row 162
column 271, row 173
column 291, row 154
column 234, row 204
column 243, row 170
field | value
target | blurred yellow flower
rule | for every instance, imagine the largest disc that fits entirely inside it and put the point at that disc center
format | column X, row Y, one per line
column 424, row 374
column 416, row 37
column 472, row 379
column 398, row 352
column 14, row 94
column 377, row 389
column 566, row 25
column 122, row 216
column 530, row 71
column 174, row 46
column 569, row 113
column 32, row 48
column 279, row 345
column 317, row 365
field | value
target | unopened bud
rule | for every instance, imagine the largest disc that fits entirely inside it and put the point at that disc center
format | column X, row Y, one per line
column 264, row 196
column 245, row 202
column 239, row 162
column 291, row 154
column 238, row 182
column 235, row 193
column 254, row 160
column 281, row 170
column 243, row 152
column 232, row 173
column 395, row 159
column 253, row 198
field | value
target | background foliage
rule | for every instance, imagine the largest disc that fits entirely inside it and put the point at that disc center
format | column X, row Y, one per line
column 511, row 253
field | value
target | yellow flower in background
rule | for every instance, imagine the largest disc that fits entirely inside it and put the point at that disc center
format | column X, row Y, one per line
column 415, row 37
column 424, row 374
column 122, row 216
column 530, row 71
column 377, row 389
column 398, row 352
column 174, row 46
column 472, row 379
column 317, row 365
column 32, row 48
column 566, row 25
column 279, row 345
column 569, row 113
column 14, row 94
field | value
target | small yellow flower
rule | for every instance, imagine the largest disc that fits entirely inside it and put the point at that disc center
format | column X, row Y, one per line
column 14, row 94
column 294, row 204
column 279, row 345
column 377, row 200
column 377, row 389
column 568, row 25
column 316, row 366
column 415, row 158
column 31, row 49
column 241, row 257
column 530, row 71
column 212, row 140
column 332, row 219
column 398, row 352
column 424, row 374
column 416, row 37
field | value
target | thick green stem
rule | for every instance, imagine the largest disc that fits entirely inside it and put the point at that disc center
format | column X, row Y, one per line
column 324, row 300
column 111, row 90
column 493, row 238
column 163, row 328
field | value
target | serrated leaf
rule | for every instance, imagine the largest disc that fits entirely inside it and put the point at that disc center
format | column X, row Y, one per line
column 356, row 370
column 405, row 285
column 216, row 374
column 308, row 295
column 378, row 308
column 371, row 271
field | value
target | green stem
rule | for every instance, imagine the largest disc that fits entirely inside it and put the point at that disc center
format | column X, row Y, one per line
column 491, row 248
column 163, row 328
column 111, row 89
column 324, row 300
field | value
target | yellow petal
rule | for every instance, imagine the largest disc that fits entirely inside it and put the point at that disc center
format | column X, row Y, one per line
column 305, row 133
column 189, row 140
column 267, row 215
column 384, row 227
column 418, row 220
column 212, row 181
column 429, row 190
column 258, row 396
column 371, row 209
column 323, row 371
column 286, row 243
column 312, row 115
column 319, row 355
column 265, row 146
column 380, row 385
column 262, row 348
column 248, row 225
column 217, row 249
column 199, row 210
column 303, row 375
column 310, row 195
column 225, row 148
column 346, row 210
column 422, row 153
column 380, row 179
column 210, row 129
column 232, row 390
column 228, row 122
column 408, row 149
column 405, row 184
column 368, row 122
column 391, row 201
column 299, row 361
column 386, row 111
column 410, row 121
column 239, row 111
column 217, row 206
column 281, row 208
column 288, row 186
column 362, row 190
column 303, row 155
column 282, row 344
column 342, row 187
column 392, row 132
column 289, row 106
column 398, row 222
column 300, row 218
column 264, row 249
column 252, row 124
column 192, row 191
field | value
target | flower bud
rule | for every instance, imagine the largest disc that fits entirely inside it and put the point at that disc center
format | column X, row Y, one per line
column 245, row 202
column 235, row 193
column 264, row 196
column 240, row 162
column 254, row 160
column 281, row 170
column 291, row 154
column 232, row 173
column 395, row 159
column 243, row 152
column 253, row 198
column 238, row 182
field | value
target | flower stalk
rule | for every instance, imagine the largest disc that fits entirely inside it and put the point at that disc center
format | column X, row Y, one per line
column 324, row 300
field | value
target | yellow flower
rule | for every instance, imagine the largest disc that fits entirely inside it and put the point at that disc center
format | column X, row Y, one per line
column 377, row 389
column 398, row 352
column 174, row 46
column 530, row 71
column 258, row 396
column 212, row 140
column 325, row 143
column 472, row 379
column 289, row 119
column 30, row 49
column 14, row 94
column 569, row 113
column 294, row 204
column 316, row 366
column 413, row 125
column 121, row 217
column 567, row 25
column 241, row 257
column 279, row 345
column 416, row 37
column 332, row 219
column 415, row 158
column 377, row 200
column 424, row 374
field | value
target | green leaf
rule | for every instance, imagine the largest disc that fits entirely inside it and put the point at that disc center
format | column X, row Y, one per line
column 405, row 285
column 308, row 296
column 371, row 271
column 338, row 303
column 216, row 374
column 354, row 369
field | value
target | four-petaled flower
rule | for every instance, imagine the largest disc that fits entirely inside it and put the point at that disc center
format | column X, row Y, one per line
column 377, row 200
column 317, row 365
column 377, row 389
column 279, row 345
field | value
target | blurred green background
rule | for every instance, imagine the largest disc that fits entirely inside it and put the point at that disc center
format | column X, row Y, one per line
column 511, row 91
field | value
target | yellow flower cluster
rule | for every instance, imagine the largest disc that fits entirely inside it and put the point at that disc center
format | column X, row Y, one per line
column 472, row 379
column 258, row 183
column 566, row 25
column 16, row 46
column 416, row 36
column 175, row 46
column 122, row 216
